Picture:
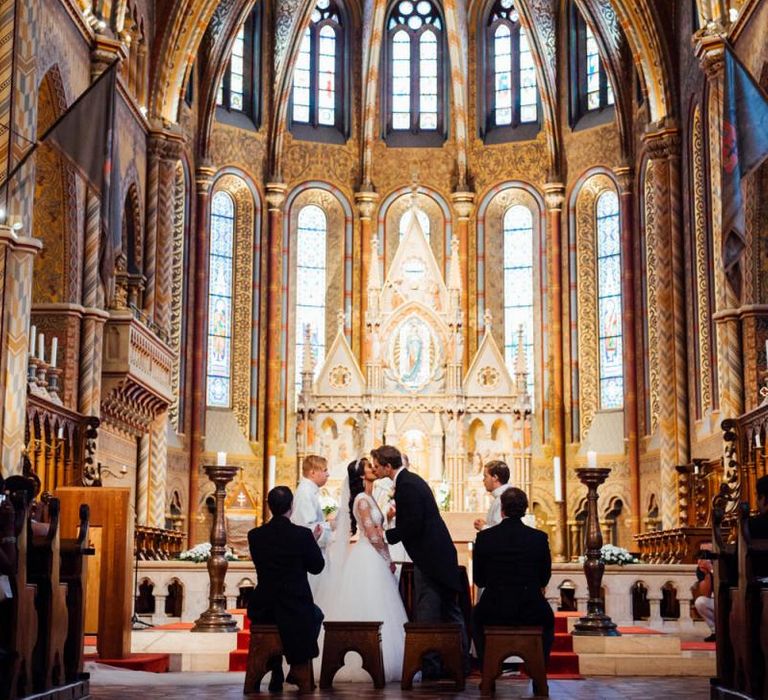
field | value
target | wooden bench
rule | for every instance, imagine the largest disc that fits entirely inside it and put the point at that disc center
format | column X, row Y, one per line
column 525, row 642
column 441, row 638
column 265, row 647
column 361, row 637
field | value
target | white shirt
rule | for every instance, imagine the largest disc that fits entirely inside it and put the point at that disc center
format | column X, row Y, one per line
column 396, row 474
column 308, row 512
column 493, row 517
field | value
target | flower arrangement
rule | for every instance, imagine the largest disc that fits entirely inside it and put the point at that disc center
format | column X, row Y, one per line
column 443, row 495
column 328, row 504
column 202, row 552
column 611, row 554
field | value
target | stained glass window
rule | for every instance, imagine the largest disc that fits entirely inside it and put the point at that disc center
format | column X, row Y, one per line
column 609, row 301
column 317, row 77
column 421, row 217
column 594, row 88
column 518, row 287
column 415, row 76
column 220, row 300
column 512, row 91
column 310, row 285
column 239, row 87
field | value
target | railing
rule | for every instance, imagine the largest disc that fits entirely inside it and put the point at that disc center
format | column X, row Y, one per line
column 157, row 544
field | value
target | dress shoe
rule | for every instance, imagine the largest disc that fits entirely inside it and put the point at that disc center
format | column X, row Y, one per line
column 712, row 637
column 276, row 682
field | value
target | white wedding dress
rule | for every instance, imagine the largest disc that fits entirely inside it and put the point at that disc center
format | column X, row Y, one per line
column 364, row 589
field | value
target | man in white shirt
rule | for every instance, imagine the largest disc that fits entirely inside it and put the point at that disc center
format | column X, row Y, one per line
column 307, row 510
column 495, row 480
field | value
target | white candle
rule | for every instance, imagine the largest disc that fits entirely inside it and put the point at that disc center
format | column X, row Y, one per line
column 758, row 444
column 558, row 480
column 60, row 434
column 54, row 351
column 32, row 334
column 766, row 354
column 221, row 459
column 272, row 474
column 592, row 459
column 41, row 347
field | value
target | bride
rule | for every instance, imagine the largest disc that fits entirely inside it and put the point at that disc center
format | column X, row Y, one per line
column 362, row 586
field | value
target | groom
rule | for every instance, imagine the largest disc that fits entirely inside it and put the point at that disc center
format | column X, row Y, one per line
column 427, row 540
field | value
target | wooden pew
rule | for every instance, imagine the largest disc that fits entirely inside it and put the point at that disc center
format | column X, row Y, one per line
column 73, row 573
column 44, row 562
column 18, row 619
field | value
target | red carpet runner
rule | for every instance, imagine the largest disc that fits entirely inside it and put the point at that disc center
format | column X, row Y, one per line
column 563, row 662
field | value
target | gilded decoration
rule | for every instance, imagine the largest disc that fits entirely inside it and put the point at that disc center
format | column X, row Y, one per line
column 340, row 377
column 177, row 291
column 652, row 288
column 304, row 160
column 587, row 147
column 242, row 301
column 395, row 212
column 586, row 295
column 700, row 260
column 488, row 377
column 432, row 167
column 238, row 147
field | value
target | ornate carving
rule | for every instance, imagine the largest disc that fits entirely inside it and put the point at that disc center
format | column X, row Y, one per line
column 340, row 377
column 554, row 195
column 177, row 291
column 651, row 267
column 488, row 377
column 366, row 203
column 463, row 204
column 276, row 195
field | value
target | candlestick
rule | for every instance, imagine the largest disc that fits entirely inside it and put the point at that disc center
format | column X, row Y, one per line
column 54, row 351
column 272, row 473
column 32, row 335
column 592, row 459
column 221, row 459
column 558, row 480
column 41, row 347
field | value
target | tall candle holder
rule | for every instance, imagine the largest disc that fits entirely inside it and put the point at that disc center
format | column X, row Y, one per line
column 54, row 376
column 216, row 618
column 32, row 371
column 595, row 622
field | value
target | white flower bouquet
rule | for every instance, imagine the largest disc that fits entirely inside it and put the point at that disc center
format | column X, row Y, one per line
column 611, row 554
column 328, row 504
column 202, row 552
column 443, row 495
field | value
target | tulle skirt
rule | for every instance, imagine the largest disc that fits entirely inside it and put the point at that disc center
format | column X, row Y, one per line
column 366, row 591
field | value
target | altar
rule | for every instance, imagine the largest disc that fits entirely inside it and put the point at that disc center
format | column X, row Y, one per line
column 413, row 392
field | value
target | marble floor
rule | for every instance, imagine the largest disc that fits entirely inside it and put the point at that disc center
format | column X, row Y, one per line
column 130, row 685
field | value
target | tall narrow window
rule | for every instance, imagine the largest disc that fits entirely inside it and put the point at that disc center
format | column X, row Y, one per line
column 421, row 217
column 518, row 287
column 609, row 301
column 592, row 91
column 317, row 98
column 511, row 94
column 220, row 301
column 239, row 87
column 310, row 285
column 415, row 75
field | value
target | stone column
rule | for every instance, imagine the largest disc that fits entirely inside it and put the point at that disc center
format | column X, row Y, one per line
column 275, row 200
column 204, row 178
column 366, row 206
column 631, row 425
column 668, row 339
column 554, row 193
column 17, row 255
column 730, row 382
column 158, row 470
column 142, row 480
column 464, row 206
column 154, row 151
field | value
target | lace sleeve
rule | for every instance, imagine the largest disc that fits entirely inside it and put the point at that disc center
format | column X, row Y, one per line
column 372, row 531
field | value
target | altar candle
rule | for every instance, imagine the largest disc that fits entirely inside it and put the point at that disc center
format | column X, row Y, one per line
column 592, row 459
column 60, row 433
column 272, row 474
column 54, row 350
column 221, row 459
column 32, row 334
column 558, row 480
column 758, row 444
column 41, row 347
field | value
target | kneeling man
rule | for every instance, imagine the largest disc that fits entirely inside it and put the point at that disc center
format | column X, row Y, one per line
column 511, row 561
column 283, row 554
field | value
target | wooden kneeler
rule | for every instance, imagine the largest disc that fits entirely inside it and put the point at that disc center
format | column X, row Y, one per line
column 503, row 642
column 265, row 645
column 362, row 637
column 423, row 638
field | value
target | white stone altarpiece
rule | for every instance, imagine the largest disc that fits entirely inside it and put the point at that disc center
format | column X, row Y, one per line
column 413, row 392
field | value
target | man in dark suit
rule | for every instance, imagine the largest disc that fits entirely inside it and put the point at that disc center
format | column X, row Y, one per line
column 511, row 561
column 283, row 553
column 425, row 537
column 758, row 527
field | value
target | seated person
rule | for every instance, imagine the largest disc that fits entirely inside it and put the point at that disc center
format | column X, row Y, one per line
column 283, row 554
column 705, row 601
column 511, row 561
column 758, row 528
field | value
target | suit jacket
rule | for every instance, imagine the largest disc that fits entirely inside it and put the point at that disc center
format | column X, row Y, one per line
column 283, row 553
column 422, row 530
column 512, row 562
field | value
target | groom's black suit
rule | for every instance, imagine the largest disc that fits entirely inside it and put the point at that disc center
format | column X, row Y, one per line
column 436, row 567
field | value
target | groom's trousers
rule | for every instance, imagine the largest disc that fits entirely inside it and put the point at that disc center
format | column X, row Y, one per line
column 435, row 602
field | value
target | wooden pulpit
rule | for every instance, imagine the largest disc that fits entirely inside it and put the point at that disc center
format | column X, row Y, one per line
column 110, row 570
